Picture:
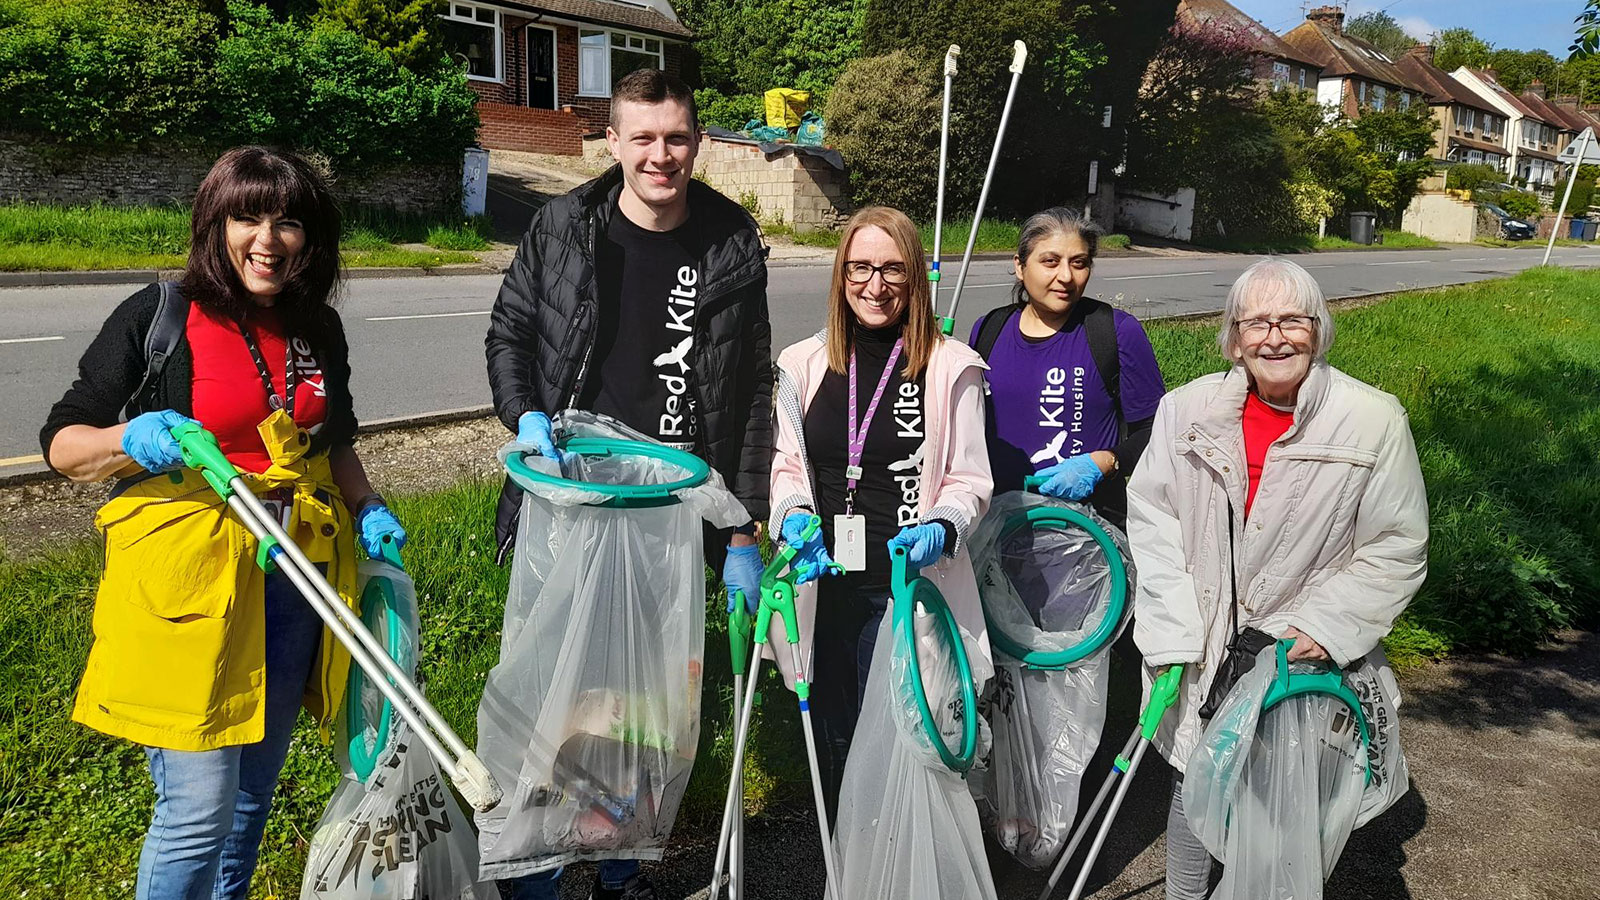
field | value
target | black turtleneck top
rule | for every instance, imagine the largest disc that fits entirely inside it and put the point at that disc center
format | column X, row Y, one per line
column 890, row 488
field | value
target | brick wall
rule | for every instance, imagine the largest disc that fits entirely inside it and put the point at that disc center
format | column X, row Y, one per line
column 506, row 127
column 33, row 171
column 798, row 189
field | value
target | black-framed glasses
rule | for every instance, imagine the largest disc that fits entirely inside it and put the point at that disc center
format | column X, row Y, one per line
column 861, row 272
column 1288, row 326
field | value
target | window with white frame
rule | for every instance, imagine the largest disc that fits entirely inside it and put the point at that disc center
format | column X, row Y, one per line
column 1280, row 73
column 1530, row 133
column 1302, row 78
column 1474, row 156
column 606, row 57
column 1493, row 126
column 1379, row 95
column 472, row 34
column 1405, row 100
column 1361, row 92
column 1466, row 119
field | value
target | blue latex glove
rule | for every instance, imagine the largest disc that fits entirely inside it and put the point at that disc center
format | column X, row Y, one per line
column 811, row 560
column 1071, row 479
column 375, row 523
column 741, row 574
column 924, row 542
column 148, row 440
column 534, row 428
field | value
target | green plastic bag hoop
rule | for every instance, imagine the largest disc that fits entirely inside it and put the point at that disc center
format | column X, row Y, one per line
column 1061, row 519
column 623, row 496
column 1330, row 682
column 907, row 595
column 379, row 603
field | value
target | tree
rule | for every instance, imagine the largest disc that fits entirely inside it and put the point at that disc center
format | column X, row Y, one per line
column 1379, row 29
column 1456, row 47
column 1516, row 69
column 1394, row 149
column 743, row 49
column 407, row 31
column 883, row 116
column 1588, row 36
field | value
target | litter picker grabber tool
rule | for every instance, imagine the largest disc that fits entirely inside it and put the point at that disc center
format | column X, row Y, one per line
column 777, row 598
column 200, row 452
column 1019, row 57
column 740, row 626
column 1162, row 695
column 944, row 155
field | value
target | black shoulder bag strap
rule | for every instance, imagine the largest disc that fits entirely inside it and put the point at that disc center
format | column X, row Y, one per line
column 990, row 326
column 1100, row 328
column 160, row 342
column 1243, row 646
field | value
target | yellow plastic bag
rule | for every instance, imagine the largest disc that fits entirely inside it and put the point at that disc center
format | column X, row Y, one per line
column 785, row 106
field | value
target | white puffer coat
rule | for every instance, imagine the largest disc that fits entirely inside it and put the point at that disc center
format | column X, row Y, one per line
column 1336, row 543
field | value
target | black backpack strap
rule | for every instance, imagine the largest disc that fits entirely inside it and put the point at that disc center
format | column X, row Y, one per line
column 1100, row 328
column 160, row 342
column 989, row 328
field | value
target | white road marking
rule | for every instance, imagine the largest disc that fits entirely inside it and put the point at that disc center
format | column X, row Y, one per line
column 1403, row 262
column 1168, row 275
column 1329, row 266
column 20, row 460
column 37, row 340
column 476, row 312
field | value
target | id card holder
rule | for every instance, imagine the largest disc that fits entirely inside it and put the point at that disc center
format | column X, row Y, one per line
column 850, row 542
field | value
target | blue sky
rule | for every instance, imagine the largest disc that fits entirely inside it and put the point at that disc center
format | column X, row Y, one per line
column 1517, row 24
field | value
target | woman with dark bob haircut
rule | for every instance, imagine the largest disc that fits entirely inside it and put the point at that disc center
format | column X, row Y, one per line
column 198, row 655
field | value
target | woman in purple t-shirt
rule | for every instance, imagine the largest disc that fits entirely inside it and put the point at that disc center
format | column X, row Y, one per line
column 1073, row 383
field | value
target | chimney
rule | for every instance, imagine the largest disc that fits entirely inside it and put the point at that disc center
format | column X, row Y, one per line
column 1536, row 88
column 1423, row 52
column 1493, row 75
column 1331, row 17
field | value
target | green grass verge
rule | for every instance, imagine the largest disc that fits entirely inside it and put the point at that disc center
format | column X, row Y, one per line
column 993, row 235
column 1308, row 243
column 1115, row 242
column 55, row 238
column 1502, row 381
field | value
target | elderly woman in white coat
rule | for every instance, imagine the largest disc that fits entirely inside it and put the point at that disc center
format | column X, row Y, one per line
column 1301, row 479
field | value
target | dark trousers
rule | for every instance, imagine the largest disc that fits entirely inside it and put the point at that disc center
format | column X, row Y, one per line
column 844, row 636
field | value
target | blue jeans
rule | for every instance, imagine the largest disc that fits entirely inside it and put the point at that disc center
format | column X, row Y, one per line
column 547, row 885
column 212, row 805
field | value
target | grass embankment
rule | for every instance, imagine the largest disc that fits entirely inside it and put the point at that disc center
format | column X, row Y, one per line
column 1390, row 239
column 1502, row 381
column 56, row 238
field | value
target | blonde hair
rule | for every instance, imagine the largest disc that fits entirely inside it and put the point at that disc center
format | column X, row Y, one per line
column 921, row 331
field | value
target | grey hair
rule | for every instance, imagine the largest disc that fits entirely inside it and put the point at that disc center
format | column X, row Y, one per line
column 1048, row 223
column 1276, row 278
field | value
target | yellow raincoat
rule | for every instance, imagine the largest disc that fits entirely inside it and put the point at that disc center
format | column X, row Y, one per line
column 179, row 656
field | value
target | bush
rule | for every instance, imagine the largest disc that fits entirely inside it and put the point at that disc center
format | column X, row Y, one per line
column 883, row 116
column 1520, row 204
column 727, row 112
column 1472, row 176
column 1582, row 190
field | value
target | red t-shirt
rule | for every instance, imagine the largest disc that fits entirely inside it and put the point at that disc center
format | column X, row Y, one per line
column 229, row 398
column 1262, row 425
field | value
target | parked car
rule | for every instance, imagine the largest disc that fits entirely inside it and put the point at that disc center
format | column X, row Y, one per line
column 1511, row 228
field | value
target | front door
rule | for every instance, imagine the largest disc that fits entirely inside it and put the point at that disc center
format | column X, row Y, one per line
column 541, row 67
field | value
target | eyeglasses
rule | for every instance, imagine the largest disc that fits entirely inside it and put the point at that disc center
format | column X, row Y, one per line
column 1288, row 326
column 861, row 272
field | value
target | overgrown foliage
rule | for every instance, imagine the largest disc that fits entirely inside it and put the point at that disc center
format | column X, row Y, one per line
column 1583, row 190
column 108, row 73
column 1472, row 176
column 1380, row 29
column 407, row 31
column 1520, row 204
column 883, row 116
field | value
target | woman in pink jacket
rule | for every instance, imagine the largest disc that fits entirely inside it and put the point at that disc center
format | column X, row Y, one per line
column 880, row 432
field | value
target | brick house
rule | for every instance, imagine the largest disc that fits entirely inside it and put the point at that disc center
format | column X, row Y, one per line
column 543, row 69
column 1471, row 130
column 1278, row 65
column 1356, row 76
column 1532, row 141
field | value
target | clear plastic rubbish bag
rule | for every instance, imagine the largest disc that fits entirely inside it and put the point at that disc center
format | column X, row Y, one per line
column 1045, row 590
column 591, row 718
column 393, row 829
column 1373, row 682
column 1274, row 795
column 907, row 826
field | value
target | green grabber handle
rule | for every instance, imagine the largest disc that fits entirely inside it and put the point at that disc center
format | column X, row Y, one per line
column 777, row 589
column 1162, row 696
column 740, row 628
column 200, row 452
column 947, row 326
column 1034, row 483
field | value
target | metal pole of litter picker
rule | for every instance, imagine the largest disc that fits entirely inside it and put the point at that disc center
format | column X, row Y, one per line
column 1572, row 179
column 1019, row 58
column 816, row 779
column 736, row 849
column 741, row 734
column 1088, row 819
column 944, row 154
column 200, row 451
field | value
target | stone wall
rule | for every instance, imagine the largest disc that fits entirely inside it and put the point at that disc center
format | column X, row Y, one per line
column 796, row 189
column 1442, row 217
column 39, row 172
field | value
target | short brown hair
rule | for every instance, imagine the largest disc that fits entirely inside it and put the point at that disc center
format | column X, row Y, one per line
column 256, row 181
column 653, row 86
column 921, row 331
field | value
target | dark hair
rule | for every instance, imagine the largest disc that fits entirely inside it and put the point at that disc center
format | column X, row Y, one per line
column 257, row 181
column 1048, row 223
column 653, row 86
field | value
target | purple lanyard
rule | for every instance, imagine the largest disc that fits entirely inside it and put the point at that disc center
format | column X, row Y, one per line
column 857, row 434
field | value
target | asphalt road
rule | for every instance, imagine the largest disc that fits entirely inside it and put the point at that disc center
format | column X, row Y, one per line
column 417, row 343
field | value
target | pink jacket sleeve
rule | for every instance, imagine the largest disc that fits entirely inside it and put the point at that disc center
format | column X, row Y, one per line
column 966, row 485
column 791, row 482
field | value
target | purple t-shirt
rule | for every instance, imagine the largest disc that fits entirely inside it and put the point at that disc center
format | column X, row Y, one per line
column 1047, row 402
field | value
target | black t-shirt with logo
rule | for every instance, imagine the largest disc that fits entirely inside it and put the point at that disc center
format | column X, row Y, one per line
column 649, row 287
column 890, row 487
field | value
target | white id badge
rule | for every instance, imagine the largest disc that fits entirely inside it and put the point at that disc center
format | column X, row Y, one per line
column 850, row 542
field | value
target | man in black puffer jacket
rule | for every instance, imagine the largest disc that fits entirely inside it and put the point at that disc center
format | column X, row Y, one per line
column 643, row 295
